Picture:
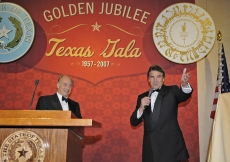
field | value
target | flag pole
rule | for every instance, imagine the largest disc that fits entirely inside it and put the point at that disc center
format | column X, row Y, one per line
column 219, row 38
column 219, row 76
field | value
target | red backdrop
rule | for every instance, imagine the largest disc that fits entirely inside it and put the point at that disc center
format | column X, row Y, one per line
column 107, row 95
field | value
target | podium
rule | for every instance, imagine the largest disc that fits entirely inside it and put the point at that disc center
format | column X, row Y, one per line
column 41, row 136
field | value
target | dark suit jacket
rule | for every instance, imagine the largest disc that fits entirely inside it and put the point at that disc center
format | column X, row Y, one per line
column 51, row 102
column 162, row 133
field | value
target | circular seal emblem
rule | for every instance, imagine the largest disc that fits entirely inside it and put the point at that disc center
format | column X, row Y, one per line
column 22, row 146
column 16, row 32
column 184, row 33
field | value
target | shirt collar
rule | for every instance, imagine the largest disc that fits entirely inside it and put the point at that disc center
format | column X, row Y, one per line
column 60, row 97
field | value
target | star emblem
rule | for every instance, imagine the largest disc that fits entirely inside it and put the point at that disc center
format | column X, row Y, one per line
column 23, row 153
column 4, row 32
column 96, row 27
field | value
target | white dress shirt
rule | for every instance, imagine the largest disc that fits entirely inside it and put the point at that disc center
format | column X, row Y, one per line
column 154, row 97
column 65, row 105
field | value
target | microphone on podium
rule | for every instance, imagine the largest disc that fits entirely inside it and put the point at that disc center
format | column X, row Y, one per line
column 36, row 83
column 150, row 93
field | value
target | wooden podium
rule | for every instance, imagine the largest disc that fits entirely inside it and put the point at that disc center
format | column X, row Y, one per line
column 41, row 136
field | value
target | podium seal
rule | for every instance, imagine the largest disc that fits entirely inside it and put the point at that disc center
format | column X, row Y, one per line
column 22, row 146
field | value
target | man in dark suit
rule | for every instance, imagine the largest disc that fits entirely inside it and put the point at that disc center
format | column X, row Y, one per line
column 163, row 140
column 60, row 100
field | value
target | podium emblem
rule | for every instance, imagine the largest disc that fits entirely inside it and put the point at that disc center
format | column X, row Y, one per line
column 22, row 146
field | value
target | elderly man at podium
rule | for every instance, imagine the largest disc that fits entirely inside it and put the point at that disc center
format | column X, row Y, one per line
column 60, row 100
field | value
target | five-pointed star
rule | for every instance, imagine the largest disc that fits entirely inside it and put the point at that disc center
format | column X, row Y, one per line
column 96, row 27
column 23, row 153
column 4, row 32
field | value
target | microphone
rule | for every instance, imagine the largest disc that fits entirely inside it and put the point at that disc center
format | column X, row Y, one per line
column 150, row 92
column 36, row 83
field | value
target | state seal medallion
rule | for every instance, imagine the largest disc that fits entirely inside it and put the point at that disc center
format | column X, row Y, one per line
column 184, row 33
column 16, row 32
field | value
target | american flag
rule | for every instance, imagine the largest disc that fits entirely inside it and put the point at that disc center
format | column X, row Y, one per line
column 222, row 83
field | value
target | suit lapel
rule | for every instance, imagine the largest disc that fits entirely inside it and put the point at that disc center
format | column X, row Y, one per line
column 147, row 112
column 56, row 103
column 157, row 107
column 71, row 106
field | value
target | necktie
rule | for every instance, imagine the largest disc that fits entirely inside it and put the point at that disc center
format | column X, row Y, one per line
column 65, row 99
